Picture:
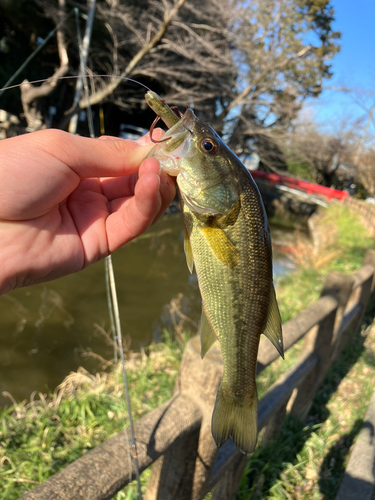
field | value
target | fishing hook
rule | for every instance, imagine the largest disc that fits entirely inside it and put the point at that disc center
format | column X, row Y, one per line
column 152, row 129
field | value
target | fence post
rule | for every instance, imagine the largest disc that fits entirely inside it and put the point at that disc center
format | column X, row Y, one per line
column 273, row 428
column 370, row 260
column 323, row 342
column 227, row 487
column 182, row 472
column 361, row 297
column 339, row 286
column 364, row 298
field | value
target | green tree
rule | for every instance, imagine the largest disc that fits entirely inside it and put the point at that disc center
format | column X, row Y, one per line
column 283, row 51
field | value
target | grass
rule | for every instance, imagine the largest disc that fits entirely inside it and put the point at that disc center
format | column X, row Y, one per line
column 307, row 460
column 37, row 439
column 343, row 242
column 40, row 437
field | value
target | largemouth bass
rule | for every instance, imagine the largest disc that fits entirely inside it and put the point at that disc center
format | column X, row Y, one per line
column 227, row 239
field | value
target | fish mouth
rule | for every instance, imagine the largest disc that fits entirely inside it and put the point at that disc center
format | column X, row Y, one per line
column 180, row 130
column 186, row 122
column 176, row 143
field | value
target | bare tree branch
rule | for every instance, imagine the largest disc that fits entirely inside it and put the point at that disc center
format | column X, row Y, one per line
column 30, row 94
column 168, row 16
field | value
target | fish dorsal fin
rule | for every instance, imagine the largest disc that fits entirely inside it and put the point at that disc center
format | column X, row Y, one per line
column 207, row 334
column 221, row 245
column 273, row 326
column 188, row 251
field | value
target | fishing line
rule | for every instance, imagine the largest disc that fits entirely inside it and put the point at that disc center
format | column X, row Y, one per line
column 35, row 52
column 52, row 79
column 113, row 294
column 109, row 277
column 111, row 314
column 115, row 319
column 115, row 322
column 117, row 335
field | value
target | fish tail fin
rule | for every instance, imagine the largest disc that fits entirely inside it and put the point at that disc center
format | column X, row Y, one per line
column 238, row 420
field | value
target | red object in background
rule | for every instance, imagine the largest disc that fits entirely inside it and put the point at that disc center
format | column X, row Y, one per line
column 309, row 187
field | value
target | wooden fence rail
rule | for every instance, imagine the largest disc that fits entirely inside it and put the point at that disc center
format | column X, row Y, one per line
column 176, row 437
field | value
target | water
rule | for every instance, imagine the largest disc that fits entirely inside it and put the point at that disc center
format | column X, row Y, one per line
column 45, row 330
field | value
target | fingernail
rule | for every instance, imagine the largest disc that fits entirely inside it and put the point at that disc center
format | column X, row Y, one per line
column 143, row 141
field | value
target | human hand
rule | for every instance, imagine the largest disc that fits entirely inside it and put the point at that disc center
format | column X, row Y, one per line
column 68, row 201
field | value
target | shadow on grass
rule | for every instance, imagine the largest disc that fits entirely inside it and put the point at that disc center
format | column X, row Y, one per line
column 333, row 466
column 266, row 471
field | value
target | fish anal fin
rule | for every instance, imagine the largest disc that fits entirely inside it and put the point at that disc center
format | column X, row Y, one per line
column 221, row 245
column 188, row 251
column 273, row 329
column 207, row 334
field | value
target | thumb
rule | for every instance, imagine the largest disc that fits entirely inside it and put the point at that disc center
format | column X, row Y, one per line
column 93, row 157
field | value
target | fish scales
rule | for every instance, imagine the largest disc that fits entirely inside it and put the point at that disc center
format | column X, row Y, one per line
column 241, row 324
column 227, row 238
column 246, row 289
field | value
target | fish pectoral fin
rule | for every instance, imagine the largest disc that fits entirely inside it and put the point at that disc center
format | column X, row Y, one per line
column 273, row 330
column 188, row 251
column 221, row 245
column 207, row 334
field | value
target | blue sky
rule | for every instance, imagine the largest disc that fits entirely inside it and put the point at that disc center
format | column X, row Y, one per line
column 354, row 65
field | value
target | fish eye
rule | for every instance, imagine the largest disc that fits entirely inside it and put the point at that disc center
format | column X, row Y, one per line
column 209, row 146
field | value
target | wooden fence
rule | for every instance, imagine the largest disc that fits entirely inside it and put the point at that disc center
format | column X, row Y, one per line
column 176, row 437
